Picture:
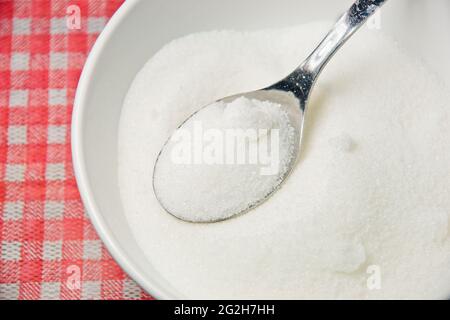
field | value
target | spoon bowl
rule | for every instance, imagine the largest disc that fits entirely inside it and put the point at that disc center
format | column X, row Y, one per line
column 286, row 100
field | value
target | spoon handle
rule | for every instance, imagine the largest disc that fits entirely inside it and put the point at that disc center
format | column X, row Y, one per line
column 344, row 28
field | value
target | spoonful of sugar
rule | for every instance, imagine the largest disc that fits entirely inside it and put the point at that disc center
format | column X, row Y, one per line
column 233, row 154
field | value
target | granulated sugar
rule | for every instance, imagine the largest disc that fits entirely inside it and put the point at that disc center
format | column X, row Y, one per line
column 234, row 153
column 365, row 213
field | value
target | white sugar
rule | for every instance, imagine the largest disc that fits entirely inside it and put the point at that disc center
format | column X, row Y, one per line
column 365, row 213
column 233, row 154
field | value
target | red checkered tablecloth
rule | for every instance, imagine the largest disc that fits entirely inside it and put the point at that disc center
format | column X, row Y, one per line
column 48, row 247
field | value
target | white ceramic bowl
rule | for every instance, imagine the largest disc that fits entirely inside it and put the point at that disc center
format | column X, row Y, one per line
column 139, row 29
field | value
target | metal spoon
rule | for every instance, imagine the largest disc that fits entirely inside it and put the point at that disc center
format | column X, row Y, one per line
column 292, row 91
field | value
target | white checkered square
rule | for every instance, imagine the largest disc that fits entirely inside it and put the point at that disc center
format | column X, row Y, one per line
column 90, row 290
column 52, row 250
column 50, row 290
column 58, row 60
column 21, row 26
column 57, row 97
column 11, row 250
column 56, row 134
column 92, row 249
column 131, row 290
column 55, row 171
column 53, row 210
column 96, row 24
column 15, row 172
column 20, row 61
column 17, row 134
column 9, row 291
column 58, row 25
column 18, row 98
column 13, row 210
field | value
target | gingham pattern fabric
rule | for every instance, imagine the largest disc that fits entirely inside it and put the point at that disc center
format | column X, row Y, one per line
column 48, row 247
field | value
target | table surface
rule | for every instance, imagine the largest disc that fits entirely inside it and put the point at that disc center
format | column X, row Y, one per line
column 48, row 247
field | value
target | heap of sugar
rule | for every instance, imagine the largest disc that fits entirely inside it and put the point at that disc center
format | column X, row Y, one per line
column 224, row 159
column 364, row 214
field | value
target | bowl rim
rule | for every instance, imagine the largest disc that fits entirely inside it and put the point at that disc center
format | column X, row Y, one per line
column 77, row 147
